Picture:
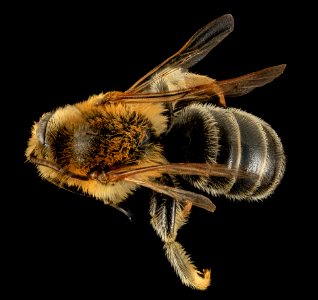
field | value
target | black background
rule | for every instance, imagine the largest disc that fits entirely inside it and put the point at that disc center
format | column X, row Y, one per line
column 64, row 245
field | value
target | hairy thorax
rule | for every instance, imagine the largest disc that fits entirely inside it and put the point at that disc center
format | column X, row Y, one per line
column 85, row 139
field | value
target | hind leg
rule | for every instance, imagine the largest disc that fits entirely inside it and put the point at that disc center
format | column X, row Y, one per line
column 168, row 216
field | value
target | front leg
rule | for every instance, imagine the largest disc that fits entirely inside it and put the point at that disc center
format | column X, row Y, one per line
column 168, row 216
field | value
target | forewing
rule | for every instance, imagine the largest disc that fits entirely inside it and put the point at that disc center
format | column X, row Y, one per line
column 230, row 87
column 134, row 174
column 197, row 47
column 171, row 82
column 200, row 169
column 176, row 193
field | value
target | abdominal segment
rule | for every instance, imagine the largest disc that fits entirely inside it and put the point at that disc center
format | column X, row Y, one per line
column 206, row 133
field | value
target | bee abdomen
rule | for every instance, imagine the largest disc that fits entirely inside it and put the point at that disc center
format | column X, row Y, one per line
column 237, row 139
column 247, row 143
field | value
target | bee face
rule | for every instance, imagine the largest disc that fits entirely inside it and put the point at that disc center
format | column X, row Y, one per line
column 51, row 132
column 158, row 135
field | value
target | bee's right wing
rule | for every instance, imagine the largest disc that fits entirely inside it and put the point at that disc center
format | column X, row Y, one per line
column 172, row 82
column 233, row 87
column 197, row 47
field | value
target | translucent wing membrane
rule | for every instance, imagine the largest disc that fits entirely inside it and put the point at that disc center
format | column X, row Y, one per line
column 175, row 193
column 132, row 174
column 244, row 84
column 231, row 87
column 201, row 169
column 172, row 82
column 198, row 46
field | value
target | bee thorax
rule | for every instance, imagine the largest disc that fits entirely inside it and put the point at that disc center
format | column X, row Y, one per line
column 107, row 141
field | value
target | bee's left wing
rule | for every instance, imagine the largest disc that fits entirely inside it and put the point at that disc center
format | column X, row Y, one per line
column 135, row 175
column 197, row 47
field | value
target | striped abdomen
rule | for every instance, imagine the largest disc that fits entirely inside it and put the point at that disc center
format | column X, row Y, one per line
column 206, row 133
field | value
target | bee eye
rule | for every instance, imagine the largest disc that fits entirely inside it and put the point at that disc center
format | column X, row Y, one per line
column 42, row 125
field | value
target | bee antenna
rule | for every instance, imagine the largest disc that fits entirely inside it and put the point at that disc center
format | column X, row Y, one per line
column 46, row 163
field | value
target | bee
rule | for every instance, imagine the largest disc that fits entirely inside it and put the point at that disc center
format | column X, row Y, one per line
column 165, row 133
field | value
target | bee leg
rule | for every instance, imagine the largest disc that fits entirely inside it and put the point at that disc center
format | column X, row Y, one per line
column 168, row 216
column 126, row 212
column 186, row 270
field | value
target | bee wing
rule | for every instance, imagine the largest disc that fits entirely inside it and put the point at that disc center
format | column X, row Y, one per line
column 234, row 87
column 197, row 47
column 200, row 169
column 244, row 84
column 133, row 174
column 171, row 82
column 176, row 193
